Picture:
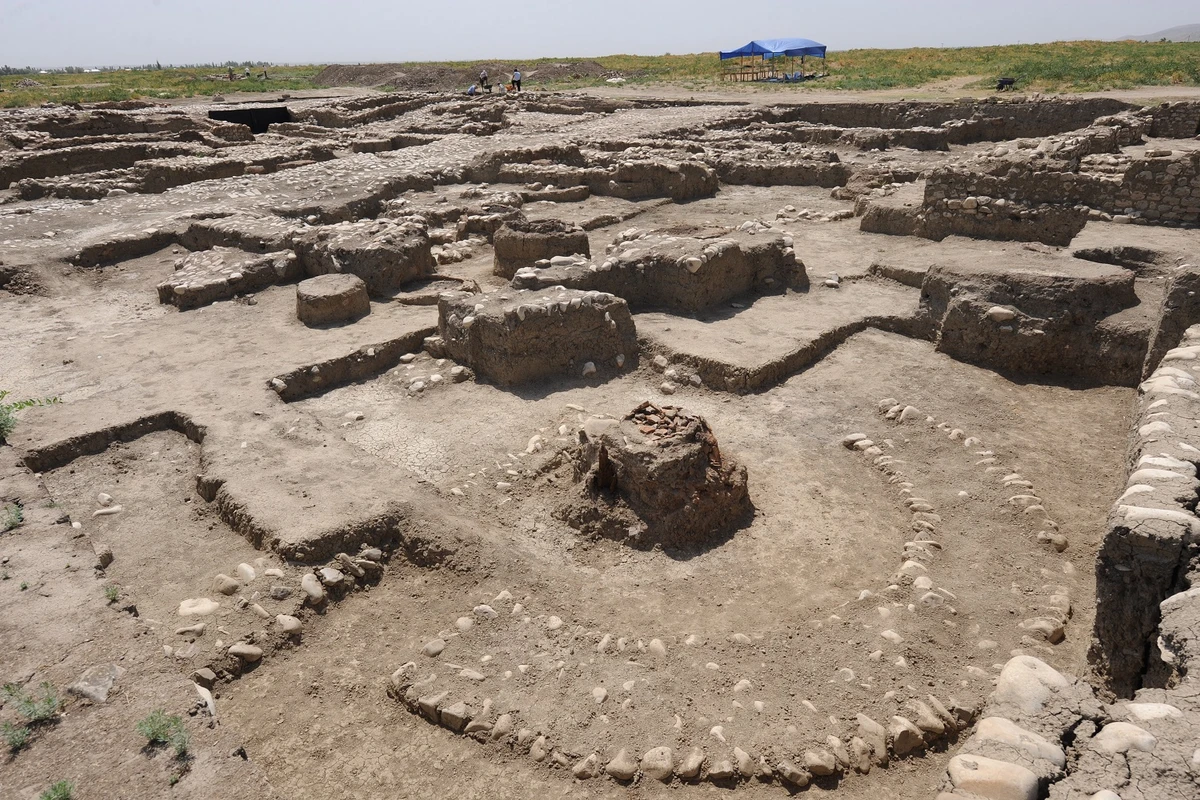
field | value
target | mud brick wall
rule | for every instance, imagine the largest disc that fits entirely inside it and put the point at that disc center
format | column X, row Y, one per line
column 1180, row 310
column 999, row 219
column 920, row 138
column 1166, row 189
column 114, row 123
column 1153, row 533
column 681, row 273
column 968, row 121
column 88, row 158
column 1058, row 325
column 521, row 244
column 1156, row 189
column 1176, row 120
column 538, row 335
column 795, row 172
column 1107, row 135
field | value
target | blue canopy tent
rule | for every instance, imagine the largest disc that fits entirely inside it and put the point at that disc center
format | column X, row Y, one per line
column 771, row 49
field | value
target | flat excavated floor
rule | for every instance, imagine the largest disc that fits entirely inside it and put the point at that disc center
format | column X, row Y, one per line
column 828, row 527
column 757, row 345
column 769, row 640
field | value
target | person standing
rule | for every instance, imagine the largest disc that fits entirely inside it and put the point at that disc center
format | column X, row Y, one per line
column 483, row 80
column 517, row 79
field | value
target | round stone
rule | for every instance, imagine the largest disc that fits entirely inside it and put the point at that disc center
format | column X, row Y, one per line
column 312, row 588
column 337, row 297
column 622, row 767
column 223, row 584
column 198, row 607
column 246, row 652
column 658, row 764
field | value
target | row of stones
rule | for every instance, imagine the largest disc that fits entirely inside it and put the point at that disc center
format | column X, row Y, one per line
column 874, row 745
column 1031, row 719
column 1050, row 627
column 1151, row 524
column 343, row 574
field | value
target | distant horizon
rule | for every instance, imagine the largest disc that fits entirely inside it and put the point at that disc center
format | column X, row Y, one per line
column 351, row 63
column 56, row 34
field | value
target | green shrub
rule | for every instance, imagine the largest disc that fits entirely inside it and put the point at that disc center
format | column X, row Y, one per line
column 34, row 709
column 63, row 790
column 13, row 516
column 15, row 736
column 160, row 729
column 8, row 411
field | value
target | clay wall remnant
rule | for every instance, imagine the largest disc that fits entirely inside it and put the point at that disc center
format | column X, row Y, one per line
column 521, row 336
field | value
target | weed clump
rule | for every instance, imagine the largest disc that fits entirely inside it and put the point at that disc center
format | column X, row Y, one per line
column 8, row 411
column 15, row 736
column 39, row 708
column 160, row 729
column 63, row 790
column 13, row 516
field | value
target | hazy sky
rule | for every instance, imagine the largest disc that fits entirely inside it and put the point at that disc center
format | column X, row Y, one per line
column 50, row 33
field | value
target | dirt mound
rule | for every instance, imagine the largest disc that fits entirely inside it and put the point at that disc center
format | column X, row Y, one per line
column 657, row 477
column 419, row 77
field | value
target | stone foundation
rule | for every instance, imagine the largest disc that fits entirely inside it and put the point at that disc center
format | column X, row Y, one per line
column 517, row 337
column 223, row 272
column 521, row 243
column 384, row 253
column 1153, row 537
column 685, row 269
column 331, row 298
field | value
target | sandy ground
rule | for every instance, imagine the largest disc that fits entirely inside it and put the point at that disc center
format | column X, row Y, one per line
column 796, row 603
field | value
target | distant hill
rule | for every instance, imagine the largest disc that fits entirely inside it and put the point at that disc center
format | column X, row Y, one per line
column 1182, row 33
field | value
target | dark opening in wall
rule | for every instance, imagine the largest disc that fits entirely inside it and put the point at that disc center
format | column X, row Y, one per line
column 257, row 118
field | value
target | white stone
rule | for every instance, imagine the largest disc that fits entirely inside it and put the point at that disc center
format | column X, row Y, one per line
column 1027, row 683
column 1121, row 737
column 1004, row 731
column 658, row 764
column 198, row 607
column 1145, row 712
column 622, row 767
column 992, row 779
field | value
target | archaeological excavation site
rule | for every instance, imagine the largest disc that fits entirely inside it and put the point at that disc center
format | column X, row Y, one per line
column 554, row 445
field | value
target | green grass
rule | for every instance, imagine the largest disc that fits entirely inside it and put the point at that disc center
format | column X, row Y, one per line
column 63, row 790
column 147, row 84
column 8, row 411
column 13, row 516
column 1058, row 66
column 35, row 708
column 15, row 736
column 112, row 593
column 160, row 729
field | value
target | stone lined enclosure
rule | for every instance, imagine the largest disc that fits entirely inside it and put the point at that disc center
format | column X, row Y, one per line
column 543, row 444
